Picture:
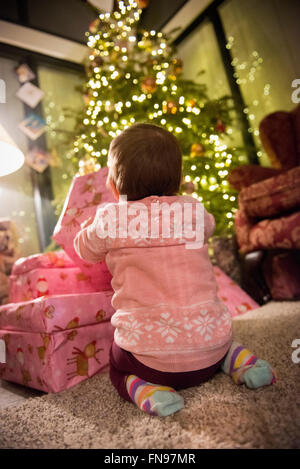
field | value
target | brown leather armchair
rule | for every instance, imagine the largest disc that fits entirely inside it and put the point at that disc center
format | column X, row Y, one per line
column 268, row 219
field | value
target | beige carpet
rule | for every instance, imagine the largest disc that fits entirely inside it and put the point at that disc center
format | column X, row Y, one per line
column 219, row 414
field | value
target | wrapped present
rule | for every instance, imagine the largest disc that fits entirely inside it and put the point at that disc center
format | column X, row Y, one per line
column 47, row 260
column 54, row 343
column 41, row 282
column 236, row 299
column 85, row 195
column 52, row 273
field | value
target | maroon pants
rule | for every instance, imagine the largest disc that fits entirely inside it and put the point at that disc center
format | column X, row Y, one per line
column 123, row 363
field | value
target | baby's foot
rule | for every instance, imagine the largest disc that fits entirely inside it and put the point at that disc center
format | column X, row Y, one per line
column 152, row 398
column 258, row 375
column 244, row 367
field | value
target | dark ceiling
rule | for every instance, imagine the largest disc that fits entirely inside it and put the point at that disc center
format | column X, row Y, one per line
column 71, row 18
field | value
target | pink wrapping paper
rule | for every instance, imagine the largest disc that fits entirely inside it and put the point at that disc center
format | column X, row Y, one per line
column 236, row 299
column 56, row 312
column 85, row 195
column 56, row 362
column 54, row 343
column 48, row 260
column 41, row 282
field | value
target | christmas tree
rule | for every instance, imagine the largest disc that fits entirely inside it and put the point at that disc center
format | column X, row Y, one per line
column 135, row 76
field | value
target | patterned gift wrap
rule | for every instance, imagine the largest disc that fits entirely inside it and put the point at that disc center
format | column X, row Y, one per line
column 45, row 282
column 236, row 299
column 54, row 343
column 85, row 195
column 48, row 260
column 53, row 273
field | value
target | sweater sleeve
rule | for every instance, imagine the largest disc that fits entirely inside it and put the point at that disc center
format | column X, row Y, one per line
column 209, row 225
column 89, row 246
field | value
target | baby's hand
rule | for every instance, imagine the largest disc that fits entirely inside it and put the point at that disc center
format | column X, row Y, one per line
column 87, row 222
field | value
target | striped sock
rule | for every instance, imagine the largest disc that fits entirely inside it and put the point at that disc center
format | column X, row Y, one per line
column 153, row 399
column 244, row 367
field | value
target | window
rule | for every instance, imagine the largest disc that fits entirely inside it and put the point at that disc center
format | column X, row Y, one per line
column 264, row 39
column 62, row 98
column 261, row 57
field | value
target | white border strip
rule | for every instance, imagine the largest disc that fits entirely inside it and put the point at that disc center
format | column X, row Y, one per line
column 43, row 43
column 186, row 15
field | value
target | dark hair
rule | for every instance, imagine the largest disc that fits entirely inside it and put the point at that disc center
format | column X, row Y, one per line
column 145, row 160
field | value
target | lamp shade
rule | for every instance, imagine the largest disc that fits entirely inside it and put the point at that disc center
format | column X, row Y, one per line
column 11, row 157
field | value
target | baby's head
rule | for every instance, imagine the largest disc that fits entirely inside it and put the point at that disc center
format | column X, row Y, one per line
column 144, row 160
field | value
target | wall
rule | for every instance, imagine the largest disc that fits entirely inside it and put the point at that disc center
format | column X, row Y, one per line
column 16, row 198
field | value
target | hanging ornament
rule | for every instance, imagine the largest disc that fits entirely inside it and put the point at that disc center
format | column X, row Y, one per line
column 189, row 187
column 173, row 77
column 220, row 126
column 170, row 107
column 97, row 61
column 148, row 85
column 177, row 66
column 93, row 27
column 142, row 3
column 197, row 149
column 191, row 103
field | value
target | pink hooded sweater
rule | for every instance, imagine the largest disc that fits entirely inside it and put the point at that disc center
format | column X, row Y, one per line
column 168, row 314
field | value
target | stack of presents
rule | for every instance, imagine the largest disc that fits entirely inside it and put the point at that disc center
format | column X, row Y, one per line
column 56, row 330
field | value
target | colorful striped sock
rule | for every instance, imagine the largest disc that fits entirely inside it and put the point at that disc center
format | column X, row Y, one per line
column 153, row 399
column 244, row 367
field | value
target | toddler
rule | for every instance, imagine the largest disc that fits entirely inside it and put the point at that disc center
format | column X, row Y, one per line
column 171, row 329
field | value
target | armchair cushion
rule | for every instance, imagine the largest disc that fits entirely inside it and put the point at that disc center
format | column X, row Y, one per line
column 278, row 135
column 278, row 233
column 243, row 225
column 246, row 175
column 273, row 196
